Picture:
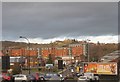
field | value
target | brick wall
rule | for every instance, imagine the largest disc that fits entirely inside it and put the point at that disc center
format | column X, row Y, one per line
column 76, row 50
column 22, row 52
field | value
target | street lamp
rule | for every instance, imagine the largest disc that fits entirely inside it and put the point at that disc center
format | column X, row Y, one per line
column 28, row 51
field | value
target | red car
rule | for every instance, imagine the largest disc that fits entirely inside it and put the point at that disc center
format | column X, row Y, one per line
column 6, row 77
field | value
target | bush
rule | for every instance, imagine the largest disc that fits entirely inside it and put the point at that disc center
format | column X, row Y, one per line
column 16, row 69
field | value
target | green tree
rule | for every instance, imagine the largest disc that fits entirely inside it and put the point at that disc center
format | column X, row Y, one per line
column 50, row 60
column 16, row 68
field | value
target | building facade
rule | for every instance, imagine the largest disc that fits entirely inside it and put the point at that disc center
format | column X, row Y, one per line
column 74, row 50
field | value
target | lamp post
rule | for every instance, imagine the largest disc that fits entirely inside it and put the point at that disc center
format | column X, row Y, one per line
column 28, row 51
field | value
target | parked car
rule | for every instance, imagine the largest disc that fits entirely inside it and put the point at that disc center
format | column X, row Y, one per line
column 47, row 77
column 24, row 78
column 6, row 77
column 90, row 76
column 39, row 77
column 79, row 74
column 83, row 78
column 31, row 78
column 20, row 77
column 50, row 76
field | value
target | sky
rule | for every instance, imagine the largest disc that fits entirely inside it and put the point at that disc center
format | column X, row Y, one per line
column 43, row 22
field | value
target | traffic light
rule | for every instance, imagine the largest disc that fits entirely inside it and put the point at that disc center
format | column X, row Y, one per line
column 60, row 64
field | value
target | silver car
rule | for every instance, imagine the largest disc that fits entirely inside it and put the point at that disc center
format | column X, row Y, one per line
column 20, row 78
column 24, row 78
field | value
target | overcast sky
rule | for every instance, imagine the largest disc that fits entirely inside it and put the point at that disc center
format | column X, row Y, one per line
column 42, row 22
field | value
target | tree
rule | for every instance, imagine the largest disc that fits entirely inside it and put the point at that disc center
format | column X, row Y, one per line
column 50, row 60
column 16, row 68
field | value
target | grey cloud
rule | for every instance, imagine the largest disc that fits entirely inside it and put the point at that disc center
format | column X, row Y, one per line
column 49, row 20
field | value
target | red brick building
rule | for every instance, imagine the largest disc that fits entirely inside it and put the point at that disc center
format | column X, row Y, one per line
column 75, row 50
column 23, row 52
column 61, row 51
column 46, row 51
